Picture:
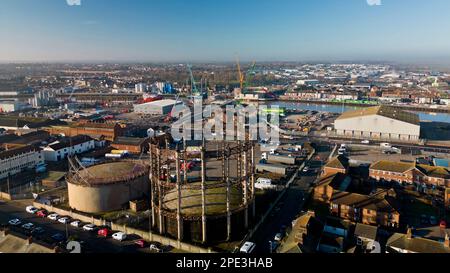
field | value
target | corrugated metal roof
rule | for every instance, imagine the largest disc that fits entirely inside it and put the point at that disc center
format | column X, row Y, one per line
column 385, row 111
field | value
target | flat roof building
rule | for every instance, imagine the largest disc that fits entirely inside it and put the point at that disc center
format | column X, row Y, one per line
column 161, row 107
column 380, row 122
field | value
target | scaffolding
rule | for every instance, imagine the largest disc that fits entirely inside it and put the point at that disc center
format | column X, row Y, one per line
column 162, row 158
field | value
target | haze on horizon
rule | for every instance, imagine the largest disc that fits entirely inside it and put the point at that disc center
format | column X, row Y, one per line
column 409, row 31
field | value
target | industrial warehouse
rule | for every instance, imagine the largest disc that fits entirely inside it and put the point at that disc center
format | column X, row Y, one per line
column 380, row 122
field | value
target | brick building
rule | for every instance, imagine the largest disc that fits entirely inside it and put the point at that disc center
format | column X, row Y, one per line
column 378, row 209
column 410, row 173
column 106, row 131
column 131, row 144
column 339, row 164
column 326, row 186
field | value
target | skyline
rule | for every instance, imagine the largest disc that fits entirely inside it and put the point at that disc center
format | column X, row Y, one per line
column 205, row 31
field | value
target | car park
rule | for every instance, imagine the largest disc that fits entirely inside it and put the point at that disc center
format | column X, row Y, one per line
column 119, row 236
column 31, row 209
column 64, row 220
column 89, row 227
column 53, row 216
column 15, row 222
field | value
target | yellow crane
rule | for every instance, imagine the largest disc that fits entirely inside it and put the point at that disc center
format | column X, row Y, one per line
column 240, row 74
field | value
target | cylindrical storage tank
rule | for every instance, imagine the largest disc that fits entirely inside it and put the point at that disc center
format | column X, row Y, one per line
column 107, row 187
column 216, row 211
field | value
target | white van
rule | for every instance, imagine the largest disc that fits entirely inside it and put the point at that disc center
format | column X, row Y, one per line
column 264, row 183
column 119, row 236
column 264, row 156
column 248, row 247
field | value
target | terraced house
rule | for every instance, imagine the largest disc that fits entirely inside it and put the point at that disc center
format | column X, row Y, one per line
column 410, row 173
column 380, row 208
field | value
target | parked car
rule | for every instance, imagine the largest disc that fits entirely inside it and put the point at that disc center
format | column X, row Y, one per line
column 140, row 243
column 38, row 231
column 15, row 222
column 58, row 237
column 278, row 237
column 423, row 219
column 104, row 232
column 248, row 247
column 76, row 224
column 28, row 226
column 31, row 209
column 306, row 169
column 119, row 236
column 42, row 213
column 64, row 220
column 155, row 248
column 53, row 216
column 433, row 221
column 365, row 142
column 89, row 227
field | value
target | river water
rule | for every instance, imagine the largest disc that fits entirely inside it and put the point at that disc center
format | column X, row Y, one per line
column 436, row 117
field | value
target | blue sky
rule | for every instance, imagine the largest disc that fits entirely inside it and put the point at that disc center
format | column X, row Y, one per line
column 215, row 30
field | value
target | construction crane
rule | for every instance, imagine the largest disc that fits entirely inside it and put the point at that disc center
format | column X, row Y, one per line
column 240, row 74
column 244, row 79
column 194, row 90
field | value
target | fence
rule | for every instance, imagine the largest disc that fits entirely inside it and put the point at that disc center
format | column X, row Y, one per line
column 149, row 236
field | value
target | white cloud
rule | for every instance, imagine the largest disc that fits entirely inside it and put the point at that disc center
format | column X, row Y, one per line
column 374, row 2
column 73, row 2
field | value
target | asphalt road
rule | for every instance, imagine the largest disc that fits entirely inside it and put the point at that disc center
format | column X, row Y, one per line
column 94, row 244
column 289, row 207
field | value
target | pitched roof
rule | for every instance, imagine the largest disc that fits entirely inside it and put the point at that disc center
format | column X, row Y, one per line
column 129, row 141
column 385, row 111
column 336, row 181
column 432, row 171
column 366, row 231
column 417, row 245
column 339, row 162
column 19, row 122
column 392, row 166
column 370, row 202
column 16, row 151
column 70, row 141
